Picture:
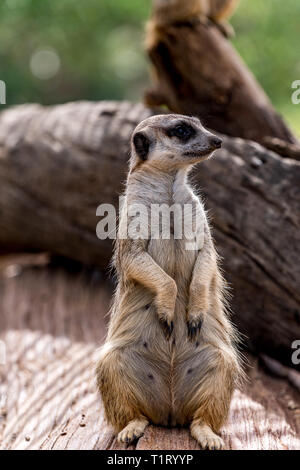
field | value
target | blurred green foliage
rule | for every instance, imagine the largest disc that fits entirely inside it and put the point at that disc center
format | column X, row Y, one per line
column 99, row 49
column 268, row 39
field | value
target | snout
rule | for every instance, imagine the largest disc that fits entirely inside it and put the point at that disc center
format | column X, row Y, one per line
column 204, row 147
column 215, row 142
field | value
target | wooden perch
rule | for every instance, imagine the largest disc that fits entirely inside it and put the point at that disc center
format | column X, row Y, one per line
column 48, row 397
column 58, row 164
column 197, row 71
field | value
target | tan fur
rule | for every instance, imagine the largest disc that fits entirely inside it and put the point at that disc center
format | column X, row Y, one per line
column 222, row 10
column 166, row 12
column 146, row 371
column 172, row 11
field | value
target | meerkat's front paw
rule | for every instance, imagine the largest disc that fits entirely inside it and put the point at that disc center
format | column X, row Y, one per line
column 166, row 317
column 132, row 431
column 194, row 325
column 206, row 438
column 167, row 326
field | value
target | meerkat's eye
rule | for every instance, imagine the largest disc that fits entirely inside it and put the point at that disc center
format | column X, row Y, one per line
column 182, row 131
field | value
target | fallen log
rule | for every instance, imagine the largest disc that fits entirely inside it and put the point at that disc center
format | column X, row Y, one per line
column 58, row 164
column 285, row 149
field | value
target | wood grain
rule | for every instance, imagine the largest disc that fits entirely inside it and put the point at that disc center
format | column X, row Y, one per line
column 52, row 322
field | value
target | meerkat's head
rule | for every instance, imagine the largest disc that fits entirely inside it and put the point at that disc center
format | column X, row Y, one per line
column 171, row 141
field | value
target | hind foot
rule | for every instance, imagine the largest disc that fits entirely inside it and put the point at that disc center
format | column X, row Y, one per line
column 206, row 438
column 133, row 430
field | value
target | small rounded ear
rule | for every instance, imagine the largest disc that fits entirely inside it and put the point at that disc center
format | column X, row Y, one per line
column 141, row 144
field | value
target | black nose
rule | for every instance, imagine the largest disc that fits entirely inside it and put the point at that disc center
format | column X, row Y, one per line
column 215, row 142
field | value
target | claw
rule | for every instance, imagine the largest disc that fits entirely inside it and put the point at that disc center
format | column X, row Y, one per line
column 167, row 328
column 194, row 327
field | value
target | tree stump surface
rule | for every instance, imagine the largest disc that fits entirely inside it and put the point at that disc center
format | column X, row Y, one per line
column 52, row 322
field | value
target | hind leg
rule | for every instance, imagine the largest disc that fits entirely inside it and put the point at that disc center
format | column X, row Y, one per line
column 213, row 406
column 211, row 396
column 133, row 430
column 121, row 406
column 118, row 399
column 127, row 382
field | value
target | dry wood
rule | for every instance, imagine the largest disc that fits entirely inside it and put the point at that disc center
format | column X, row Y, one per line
column 293, row 376
column 285, row 149
column 48, row 397
column 197, row 71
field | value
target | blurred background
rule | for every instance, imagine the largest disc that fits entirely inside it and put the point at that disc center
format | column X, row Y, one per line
column 53, row 51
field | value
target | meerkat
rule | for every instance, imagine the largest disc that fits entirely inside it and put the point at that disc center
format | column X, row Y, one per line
column 170, row 356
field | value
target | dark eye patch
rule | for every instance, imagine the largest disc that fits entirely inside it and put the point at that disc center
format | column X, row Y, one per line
column 182, row 131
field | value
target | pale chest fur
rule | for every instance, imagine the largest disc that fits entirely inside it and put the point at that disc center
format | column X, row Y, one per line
column 173, row 220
